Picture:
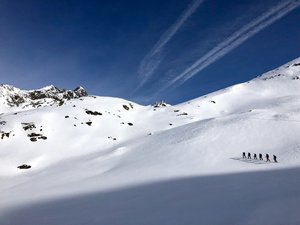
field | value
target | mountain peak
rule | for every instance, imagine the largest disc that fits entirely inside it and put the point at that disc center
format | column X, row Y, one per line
column 49, row 95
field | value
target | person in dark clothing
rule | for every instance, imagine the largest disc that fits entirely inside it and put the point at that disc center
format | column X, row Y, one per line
column 260, row 156
column 244, row 155
column 249, row 155
column 275, row 158
column 255, row 156
column 268, row 158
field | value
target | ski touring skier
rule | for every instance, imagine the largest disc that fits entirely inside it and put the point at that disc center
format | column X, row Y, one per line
column 249, row 155
column 268, row 158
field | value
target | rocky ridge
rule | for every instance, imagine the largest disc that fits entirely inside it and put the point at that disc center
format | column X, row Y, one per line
column 50, row 95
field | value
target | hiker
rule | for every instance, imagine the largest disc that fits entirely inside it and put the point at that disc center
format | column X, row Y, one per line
column 249, row 155
column 255, row 156
column 260, row 156
column 244, row 155
column 275, row 158
column 268, row 158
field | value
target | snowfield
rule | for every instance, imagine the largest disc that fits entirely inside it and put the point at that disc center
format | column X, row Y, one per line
column 101, row 160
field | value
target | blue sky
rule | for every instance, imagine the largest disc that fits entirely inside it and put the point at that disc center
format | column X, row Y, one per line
column 145, row 50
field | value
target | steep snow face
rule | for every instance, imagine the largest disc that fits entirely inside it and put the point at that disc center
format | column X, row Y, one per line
column 90, row 144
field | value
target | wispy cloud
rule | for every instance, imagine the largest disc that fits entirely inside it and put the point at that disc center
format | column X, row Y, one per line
column 233, row 41
column 152, row 60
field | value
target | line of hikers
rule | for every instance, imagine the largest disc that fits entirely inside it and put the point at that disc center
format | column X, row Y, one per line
column 260, row 157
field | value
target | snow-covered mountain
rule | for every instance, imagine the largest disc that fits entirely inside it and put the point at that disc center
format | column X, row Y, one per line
column 15, row 99
column 102, row 160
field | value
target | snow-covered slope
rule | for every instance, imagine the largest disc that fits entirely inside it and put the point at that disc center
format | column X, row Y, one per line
column 101, row 160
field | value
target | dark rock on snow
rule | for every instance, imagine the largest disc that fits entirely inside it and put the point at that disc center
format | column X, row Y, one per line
column 24, row 166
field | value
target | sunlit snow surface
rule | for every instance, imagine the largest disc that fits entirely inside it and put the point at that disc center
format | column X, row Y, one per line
column 166, row 165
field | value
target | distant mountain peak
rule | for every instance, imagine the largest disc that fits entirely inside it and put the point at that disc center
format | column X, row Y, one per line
column 49, row 95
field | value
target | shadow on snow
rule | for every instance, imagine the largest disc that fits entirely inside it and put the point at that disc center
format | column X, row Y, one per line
column 254, row 161
column 260, row 198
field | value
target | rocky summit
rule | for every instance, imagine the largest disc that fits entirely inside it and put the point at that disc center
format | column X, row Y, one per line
column 13, row 97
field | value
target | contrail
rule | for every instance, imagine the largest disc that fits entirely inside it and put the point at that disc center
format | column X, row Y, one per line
column 152, row 60
column 235, row 40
